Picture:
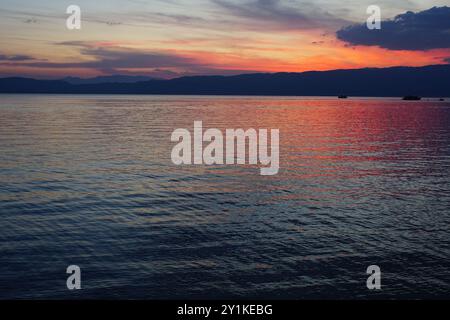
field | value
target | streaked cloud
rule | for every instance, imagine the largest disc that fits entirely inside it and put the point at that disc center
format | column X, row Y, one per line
column 109, row 59
column 20, row 57
column 277, row 14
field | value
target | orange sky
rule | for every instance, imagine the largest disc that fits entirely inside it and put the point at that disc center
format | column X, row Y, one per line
column 169, row 39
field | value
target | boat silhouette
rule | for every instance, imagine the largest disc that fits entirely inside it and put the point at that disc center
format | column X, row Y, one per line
column 412, row 98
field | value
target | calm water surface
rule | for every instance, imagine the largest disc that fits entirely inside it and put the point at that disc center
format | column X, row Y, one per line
column 88, row 180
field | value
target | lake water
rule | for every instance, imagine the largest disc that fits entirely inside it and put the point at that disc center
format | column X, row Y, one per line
column 88, row 181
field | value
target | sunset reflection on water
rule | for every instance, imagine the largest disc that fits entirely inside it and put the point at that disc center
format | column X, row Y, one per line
column 89, row 180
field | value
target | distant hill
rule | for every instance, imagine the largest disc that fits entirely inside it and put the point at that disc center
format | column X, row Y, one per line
column 107, row 79
column 429, row 81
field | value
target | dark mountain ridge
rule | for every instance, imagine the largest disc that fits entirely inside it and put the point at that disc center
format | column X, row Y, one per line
column 116, row 78
column 428, row 81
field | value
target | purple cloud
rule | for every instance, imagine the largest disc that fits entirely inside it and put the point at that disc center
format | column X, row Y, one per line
column 425, row 30
column 114, row 60
column 19, row 57
column 276, row 14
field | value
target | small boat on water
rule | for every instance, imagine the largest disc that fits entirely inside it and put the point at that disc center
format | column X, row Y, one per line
column 441, row 99
column 342, row 97
column 412, row 98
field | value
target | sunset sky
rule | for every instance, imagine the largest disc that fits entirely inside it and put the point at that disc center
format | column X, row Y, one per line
column 178, row 37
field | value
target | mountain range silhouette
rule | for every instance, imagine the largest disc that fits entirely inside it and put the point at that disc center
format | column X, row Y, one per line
column 427, row 81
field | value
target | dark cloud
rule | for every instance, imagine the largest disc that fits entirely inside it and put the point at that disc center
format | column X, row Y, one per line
column 281, row 15
column 20, row 57
column 110, row 59
column 425, row 30
column 113, row 60
column 31, row 20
